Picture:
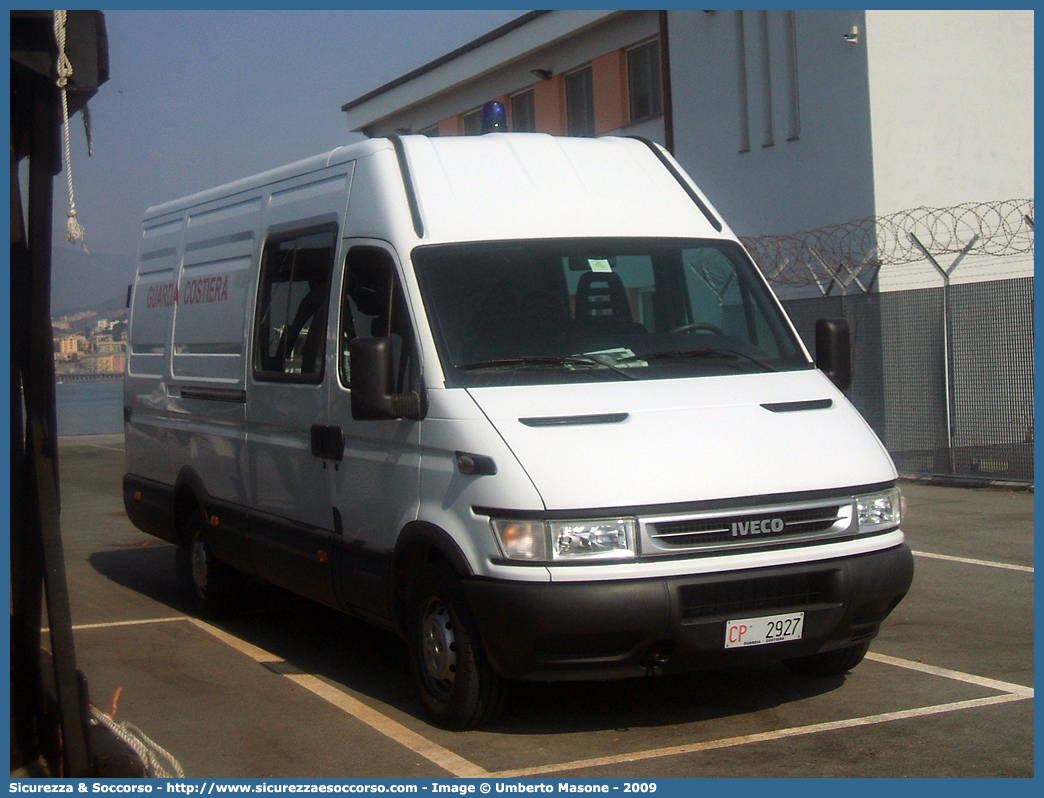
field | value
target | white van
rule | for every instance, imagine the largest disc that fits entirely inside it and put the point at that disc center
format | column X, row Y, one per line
column 524, row 400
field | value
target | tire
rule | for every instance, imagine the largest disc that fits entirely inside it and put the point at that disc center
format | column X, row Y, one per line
column 456, row 683
column 211, row 586
column 829, row 663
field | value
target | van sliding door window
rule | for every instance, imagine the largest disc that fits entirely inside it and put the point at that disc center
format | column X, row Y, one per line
column 290, row 330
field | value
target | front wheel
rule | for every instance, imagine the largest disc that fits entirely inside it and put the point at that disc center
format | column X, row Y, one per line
column 829, row 663
column 456, row 683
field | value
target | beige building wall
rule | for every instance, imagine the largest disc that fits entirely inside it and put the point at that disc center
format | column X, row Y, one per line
column 951, row 97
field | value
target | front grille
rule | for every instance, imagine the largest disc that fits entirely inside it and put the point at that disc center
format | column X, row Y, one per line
column 735, row 528
column 746, row 528
column 756, row 595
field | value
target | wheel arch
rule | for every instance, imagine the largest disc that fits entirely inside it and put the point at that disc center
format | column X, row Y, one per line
column 421, row 543
column 190, row 497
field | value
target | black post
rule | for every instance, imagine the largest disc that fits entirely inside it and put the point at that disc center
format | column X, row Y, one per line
column 55, row 728
column 42, row 435
column 27, row 702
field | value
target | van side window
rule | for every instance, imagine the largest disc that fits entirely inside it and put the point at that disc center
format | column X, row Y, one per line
column 290, row 330
column 373, row 305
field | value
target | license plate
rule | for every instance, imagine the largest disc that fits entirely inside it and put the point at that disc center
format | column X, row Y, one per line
column 764, row 630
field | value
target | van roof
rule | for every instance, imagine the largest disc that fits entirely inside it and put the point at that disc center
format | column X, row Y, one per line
column 532, row 185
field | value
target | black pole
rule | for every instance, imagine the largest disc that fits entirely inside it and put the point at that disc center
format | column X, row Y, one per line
column 48, row 694
column 27, row 701
column 41, row 433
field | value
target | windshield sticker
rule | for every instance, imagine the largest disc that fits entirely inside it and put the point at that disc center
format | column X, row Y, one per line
column 599, row 265
column 620, row 356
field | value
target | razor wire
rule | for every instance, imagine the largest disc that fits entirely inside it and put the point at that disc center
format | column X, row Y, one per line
column 855, row 251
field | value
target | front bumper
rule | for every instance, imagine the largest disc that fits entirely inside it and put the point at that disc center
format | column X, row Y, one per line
column 621, row 628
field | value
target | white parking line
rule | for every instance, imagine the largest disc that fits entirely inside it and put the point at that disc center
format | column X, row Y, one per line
column 946, row 673
column 111, row 624
column 461, row 767
column 443, row 757
column 969, row 561
column 747, row 739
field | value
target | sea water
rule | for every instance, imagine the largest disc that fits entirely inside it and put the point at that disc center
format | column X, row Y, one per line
column 90, row 408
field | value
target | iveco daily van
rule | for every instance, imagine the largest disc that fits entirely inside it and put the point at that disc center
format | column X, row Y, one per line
column 524, row 400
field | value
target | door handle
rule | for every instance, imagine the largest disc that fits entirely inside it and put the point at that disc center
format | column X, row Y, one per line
column 328, row 442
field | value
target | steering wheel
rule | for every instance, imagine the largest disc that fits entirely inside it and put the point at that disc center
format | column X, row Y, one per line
column 706, row 326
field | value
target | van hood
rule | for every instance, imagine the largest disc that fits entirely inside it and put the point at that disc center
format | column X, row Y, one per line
column 650, row 442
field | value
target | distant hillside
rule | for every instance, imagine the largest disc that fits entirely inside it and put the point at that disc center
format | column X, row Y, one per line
column 111, row 308
column 88, row 282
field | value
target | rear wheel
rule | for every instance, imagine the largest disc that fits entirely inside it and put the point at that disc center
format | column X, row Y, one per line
column 211, row 586
column 456, row 682
column 829, row 663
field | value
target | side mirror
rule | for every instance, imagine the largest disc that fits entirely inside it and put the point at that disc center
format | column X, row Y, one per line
column 373, row 383
column 834, row 351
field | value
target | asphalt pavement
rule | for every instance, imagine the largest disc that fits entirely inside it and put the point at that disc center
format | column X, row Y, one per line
column 291, row 689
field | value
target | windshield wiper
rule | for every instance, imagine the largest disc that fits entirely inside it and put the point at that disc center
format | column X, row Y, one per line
column 706, row 352
column 547, row 360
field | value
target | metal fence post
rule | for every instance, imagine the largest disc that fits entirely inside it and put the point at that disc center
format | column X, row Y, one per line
column 947, row 340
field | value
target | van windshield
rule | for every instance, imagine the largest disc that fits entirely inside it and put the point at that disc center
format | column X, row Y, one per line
column 567, row 310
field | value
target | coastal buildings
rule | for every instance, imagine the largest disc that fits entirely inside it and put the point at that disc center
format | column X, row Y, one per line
column 99, row 348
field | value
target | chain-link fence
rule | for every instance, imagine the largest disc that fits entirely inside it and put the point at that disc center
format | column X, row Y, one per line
column 944, row 375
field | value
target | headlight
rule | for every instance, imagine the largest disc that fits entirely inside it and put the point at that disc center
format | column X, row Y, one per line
column 879, row 511
column 566, row 540
column 609, row 539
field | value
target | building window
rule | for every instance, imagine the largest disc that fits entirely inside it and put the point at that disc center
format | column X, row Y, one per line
column 793, row 99
column 473, row 122
column 643, row 81
column 579, row 92
column 743, row 94
column 523, row 112
column 432, row 131
column 768, row 137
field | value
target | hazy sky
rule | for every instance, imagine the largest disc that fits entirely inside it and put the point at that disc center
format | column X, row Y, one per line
column 198, row 98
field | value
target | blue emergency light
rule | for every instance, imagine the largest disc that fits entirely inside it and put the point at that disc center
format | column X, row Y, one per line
column 494, row 117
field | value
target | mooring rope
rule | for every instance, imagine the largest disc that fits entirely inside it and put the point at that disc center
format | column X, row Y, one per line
column 158, row 762
column 73, row 230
